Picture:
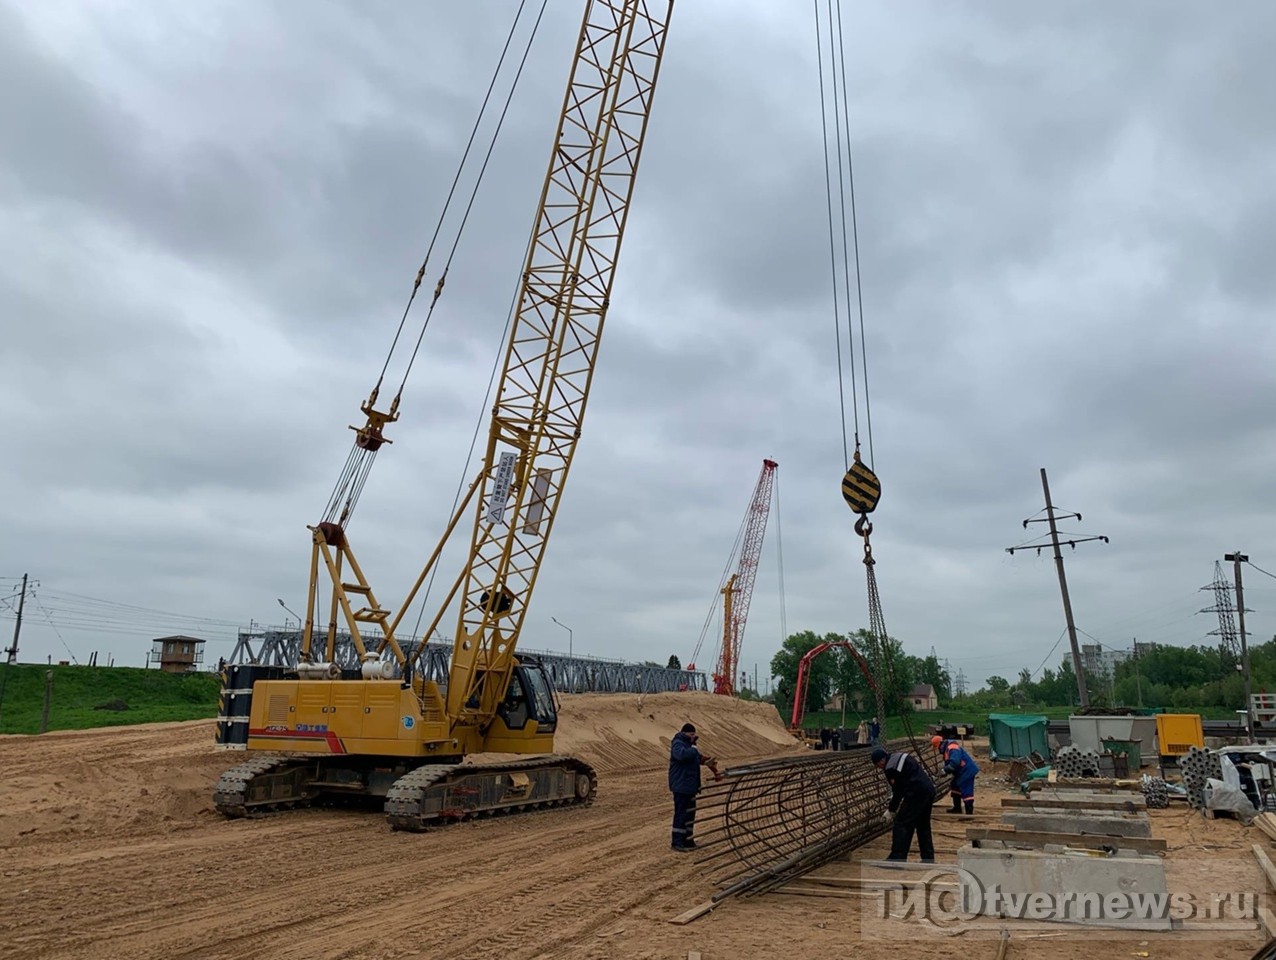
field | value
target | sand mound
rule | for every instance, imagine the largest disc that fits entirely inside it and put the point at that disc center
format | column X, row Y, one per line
column 626, row 731
column 161, row 775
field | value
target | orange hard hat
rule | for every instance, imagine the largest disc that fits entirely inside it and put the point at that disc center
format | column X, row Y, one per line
column 936, row 740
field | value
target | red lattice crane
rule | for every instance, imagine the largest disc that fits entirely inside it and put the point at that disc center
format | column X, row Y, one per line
column 738, row 590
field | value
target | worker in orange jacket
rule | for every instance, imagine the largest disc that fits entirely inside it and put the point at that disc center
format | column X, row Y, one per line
column 963, row 769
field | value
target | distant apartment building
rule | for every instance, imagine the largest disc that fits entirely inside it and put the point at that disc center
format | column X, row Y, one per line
column 1100, row 661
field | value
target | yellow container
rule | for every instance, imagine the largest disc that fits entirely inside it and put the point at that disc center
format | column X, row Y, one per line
column 1176, row 733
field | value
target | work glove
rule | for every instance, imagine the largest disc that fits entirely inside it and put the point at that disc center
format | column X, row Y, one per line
column 888, row 816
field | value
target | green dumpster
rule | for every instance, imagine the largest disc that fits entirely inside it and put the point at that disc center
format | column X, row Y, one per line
column 1016, row 736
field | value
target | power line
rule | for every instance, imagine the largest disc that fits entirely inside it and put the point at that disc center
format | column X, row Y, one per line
column 1260, row 569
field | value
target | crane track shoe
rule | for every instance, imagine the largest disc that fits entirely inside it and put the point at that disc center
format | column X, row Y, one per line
column 436, row 794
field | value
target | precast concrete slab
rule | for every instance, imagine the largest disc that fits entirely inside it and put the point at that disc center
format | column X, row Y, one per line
column 1126, row 891
column 1107, row 825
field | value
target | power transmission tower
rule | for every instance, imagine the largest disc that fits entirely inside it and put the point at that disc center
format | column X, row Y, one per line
column 959, row 684
column 1224, row 607
column 1051, row 517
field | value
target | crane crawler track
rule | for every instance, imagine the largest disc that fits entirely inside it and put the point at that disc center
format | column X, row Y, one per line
column 437, row 794
column 263, row 785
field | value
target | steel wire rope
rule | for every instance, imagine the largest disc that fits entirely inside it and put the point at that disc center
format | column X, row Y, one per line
column 828, row 194
column 714, row 605
column 358, row 465
column 469, row 206
column 855, row 232
column 438, row 226
column 509, row 321
column 779, row 555
column 841, row 196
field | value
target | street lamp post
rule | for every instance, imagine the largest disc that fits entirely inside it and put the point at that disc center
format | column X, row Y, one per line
column 569, row 634
column 285, row 606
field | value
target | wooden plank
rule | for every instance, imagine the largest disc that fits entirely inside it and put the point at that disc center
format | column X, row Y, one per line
column 1098, row 803
column 911, row 865
column 1269, row 921
column 1265, row 862
column 694, row 913
column 1267, row 823
column 869, row 883
column 1011, row 835
column 793, row 891
column 1003, row 945
column 1063, row 783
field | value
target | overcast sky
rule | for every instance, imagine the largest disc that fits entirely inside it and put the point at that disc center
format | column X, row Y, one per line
column 211, row 214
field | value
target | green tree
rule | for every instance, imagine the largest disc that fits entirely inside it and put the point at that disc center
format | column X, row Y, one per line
column 929, row 670
column 822, row 673
column 674, row 662
column 998, row 685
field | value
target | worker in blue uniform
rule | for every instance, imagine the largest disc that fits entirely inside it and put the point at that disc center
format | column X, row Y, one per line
column 685, row 760
column 962, row 767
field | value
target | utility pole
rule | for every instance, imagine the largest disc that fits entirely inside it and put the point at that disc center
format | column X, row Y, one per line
column 12, row 651
column 1237, row 559
column 1138, row 679
column 1077, row 665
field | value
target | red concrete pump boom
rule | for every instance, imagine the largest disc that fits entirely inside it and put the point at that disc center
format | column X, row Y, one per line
column 804, row 677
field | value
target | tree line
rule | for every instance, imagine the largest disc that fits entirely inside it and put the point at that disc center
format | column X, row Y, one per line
column 1158, row 677
column 836, row 671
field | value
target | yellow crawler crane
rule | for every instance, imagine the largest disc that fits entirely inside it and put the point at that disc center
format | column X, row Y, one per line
column 386, row 731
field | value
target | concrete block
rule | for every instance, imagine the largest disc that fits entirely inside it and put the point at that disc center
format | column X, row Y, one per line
column 1128, row 891
column 1107, row 825
column 1076, row 797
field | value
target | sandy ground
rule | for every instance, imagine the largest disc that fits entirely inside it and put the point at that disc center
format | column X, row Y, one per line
column 109, row 847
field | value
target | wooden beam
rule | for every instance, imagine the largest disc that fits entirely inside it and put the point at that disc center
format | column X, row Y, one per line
column 1124, row 786
column 1003, row 945
column 911, row 865
column 1269, row 921
column 1265, row 862
column 871, row 883
column 800, row 891
column 1011, row 835
column 1071, row 803
column 694, row 913
column 1267, row 823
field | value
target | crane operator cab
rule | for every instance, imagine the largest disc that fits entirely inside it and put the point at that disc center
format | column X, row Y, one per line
column 530, row 697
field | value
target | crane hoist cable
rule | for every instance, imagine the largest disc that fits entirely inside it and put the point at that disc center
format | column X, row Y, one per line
column 860, row 486
column 369, row 438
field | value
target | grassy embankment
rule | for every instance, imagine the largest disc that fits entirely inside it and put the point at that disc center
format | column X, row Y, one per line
column 151, row 696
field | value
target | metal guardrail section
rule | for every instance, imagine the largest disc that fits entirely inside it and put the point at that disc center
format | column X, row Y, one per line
column 772, row 821
column 282, row 648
